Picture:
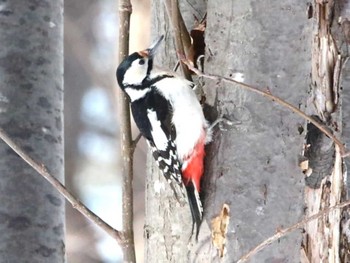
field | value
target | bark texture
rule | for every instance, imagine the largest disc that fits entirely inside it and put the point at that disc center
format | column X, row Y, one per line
column 345, row 91
column 31, row 106
column 288, row 48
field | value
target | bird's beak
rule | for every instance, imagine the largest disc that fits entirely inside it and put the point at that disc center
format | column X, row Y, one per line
column 153, row 48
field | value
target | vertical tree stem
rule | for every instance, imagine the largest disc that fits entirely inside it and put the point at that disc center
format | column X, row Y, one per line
column 181, row 35
column 125, row 10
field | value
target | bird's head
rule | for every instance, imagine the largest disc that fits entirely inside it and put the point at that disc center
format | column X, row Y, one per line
column 135, row 68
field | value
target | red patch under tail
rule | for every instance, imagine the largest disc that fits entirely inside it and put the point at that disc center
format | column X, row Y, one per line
column 192, row 173
column 194, row 169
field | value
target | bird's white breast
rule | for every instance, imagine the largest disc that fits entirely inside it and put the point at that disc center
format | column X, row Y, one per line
column 188, row 117
column 136, row 94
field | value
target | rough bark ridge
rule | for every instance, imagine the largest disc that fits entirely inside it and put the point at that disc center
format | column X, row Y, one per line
column 252, row 167
column 31, row 106
column 325, row 174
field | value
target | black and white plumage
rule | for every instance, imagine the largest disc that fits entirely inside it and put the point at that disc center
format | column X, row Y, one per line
column 168, row 114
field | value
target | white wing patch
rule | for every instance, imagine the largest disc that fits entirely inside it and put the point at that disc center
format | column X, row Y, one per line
column 136, row 94
column 158, row 135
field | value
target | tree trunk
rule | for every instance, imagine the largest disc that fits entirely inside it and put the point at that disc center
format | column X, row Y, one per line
column 31, row 106
column 253, row 167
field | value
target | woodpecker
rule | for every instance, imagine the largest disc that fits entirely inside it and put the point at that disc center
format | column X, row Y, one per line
column 168, row 114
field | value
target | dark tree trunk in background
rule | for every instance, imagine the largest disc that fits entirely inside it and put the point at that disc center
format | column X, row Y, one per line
column 31, row 106
column 253, row 167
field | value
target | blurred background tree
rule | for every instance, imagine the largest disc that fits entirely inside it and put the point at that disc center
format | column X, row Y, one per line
column 91, row 130
column 31, row 113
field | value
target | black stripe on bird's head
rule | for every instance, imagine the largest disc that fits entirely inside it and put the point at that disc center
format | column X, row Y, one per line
column 134, row 69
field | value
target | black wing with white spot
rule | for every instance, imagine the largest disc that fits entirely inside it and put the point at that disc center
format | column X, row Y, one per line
column 153, row 115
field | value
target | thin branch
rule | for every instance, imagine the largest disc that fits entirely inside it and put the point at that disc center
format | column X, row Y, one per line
column 181, row 35
column 276, row 99
column 135, row 142
column 283, row 232
column 42, row 170
column 125, row 10
column 347, row 154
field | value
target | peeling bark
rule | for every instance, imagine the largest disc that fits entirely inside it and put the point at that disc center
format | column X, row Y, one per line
column 326, row 178
column 324, row 56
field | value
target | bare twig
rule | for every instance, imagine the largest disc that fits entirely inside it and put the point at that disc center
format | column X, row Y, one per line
column 135, row 141
column 347, row 154
column 273, row 98
column 181, row 35
column 125, row 10
column 283, row 232
column 41, row 169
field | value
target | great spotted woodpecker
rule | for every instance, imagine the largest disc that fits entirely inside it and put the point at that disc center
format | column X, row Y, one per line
column 168, row 114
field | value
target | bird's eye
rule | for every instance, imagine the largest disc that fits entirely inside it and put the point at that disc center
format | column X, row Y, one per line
column 142, row 61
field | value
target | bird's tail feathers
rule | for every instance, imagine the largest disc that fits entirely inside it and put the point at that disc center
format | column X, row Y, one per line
column 195, row 205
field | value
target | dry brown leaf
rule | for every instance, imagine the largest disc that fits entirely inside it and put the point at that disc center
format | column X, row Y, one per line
column 219, row 226
column 304, row 165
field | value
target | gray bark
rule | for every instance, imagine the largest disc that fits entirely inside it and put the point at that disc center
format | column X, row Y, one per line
column 253, row 167
column 31, row 106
